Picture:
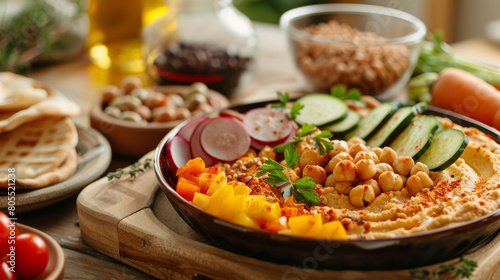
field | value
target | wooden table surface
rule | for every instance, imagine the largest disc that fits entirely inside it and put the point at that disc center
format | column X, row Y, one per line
column 82, row 82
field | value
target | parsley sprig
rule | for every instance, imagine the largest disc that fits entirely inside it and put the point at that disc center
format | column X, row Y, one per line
column 321, row 140
column 341, row 92
column 135, row 169
column 283, row 105
column 302, row 190
column 462, row 268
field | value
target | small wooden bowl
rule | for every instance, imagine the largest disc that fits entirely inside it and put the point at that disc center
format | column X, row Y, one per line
column 134, row 140
column 55, row 267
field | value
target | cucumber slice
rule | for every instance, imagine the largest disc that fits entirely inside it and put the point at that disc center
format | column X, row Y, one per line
column 321, row 109
column 447, row 146
column 416, row 138
column 374, row 120
column 346, row 125
column 391, row 129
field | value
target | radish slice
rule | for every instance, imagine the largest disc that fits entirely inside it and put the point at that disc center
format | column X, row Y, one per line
column 225, row 138
column 267, row 125
column 196, row 149
column 259, row 145
column 178, row 152
column 187, row 131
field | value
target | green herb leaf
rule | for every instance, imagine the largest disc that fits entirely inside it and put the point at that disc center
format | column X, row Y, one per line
column 291, row 157
column 296, row 107
column 271, row 164
column 286, row 190
column 307, row 129
column 462, row 268
column 277, row 178
column 281, row 148
column 340, row 91
column 305, row 182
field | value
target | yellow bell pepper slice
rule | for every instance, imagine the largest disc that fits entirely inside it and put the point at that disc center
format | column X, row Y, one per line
column 333, row 230
column 240, row 188
column 232, row 206
column 306, row 225
column 218, row 199
column 263, row 211
column 201, row 200
column 218, row 181
column 243, row 220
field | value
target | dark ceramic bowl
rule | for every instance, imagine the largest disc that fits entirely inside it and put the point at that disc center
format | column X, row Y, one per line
column 407, row 251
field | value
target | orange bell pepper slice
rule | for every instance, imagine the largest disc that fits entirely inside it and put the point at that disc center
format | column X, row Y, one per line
column 186, row 188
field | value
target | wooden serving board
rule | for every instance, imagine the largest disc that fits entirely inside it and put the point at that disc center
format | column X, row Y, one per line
column 132, row 221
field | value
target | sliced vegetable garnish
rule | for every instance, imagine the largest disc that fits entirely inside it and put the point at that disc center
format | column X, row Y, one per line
column 196, row 149
column 447, row 146
column 374, row 120
column 178, row 152
column 321, row 109
column 397, row 123
column 267, row 125
column 345, row 125
column 225, row 139
column 417, row 137
column 187, row 131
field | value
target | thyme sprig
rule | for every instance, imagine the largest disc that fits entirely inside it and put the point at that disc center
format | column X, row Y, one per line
column 321, row 140
column 462, row 268
column 279, row 175
column 134, row 170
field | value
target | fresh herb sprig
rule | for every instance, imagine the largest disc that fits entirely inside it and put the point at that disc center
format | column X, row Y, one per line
column 340, row 91
column 135, row 169
column 283, row 105
column 462, row 268
column 302, row 190
column 321, row 140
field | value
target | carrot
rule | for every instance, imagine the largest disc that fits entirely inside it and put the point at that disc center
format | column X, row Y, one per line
column 461, row 92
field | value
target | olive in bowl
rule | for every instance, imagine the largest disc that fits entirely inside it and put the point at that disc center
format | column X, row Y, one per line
column 134, row 119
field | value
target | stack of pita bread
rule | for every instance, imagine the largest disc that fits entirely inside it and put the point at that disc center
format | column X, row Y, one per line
column 37, row 136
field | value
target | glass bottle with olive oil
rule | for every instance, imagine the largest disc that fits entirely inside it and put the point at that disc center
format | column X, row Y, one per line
column 114, row 40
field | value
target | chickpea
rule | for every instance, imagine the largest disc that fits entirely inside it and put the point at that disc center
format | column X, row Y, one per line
column 199, row 87
column 355, row 140
column 356, row 148
column 374, row 185
column 366, row 169
column 130, row 83
column 339, row 146
column 362, row 195
column 381, row 168
column 343, row 187
column 194, row 100
column 316, row 172
column 330, row 181
column 204, row 107
column 366, row 155
column 345, row 170
column 419, row 181
column 109, row 93
column 389, row 181
column 176, row 99
column 293, row 176
column 403, row 165
column 338, row 158
column 370, row 101
column 388, row 155
column 302, row 146
column 377, row 151
column 312, row 156
column 158, row 100
column 267, row 152
column 419, row 167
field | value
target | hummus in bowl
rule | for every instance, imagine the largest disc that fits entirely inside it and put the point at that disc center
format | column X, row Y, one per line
column 395, row 231
column 468, row 189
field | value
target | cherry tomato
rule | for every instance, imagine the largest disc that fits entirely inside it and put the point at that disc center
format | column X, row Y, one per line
column 32, row 255
column 6, row 227
column 5, row 272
